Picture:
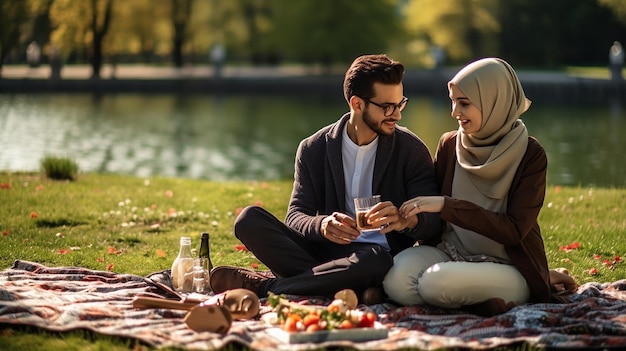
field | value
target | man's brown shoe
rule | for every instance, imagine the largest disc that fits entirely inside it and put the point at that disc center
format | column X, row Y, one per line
column 228, row 277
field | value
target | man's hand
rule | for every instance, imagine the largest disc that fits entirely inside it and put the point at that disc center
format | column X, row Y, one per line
column 386, row 216
column 339, row 228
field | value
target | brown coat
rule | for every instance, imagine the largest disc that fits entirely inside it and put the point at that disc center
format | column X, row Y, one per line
column 517, row 229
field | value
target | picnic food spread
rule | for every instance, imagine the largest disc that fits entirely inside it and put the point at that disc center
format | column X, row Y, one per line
column 341, row 313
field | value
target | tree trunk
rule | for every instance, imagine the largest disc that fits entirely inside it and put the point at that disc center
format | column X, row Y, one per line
column 98, row 36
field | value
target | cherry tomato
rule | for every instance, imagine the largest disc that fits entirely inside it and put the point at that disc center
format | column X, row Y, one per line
column 346, row 324
column 367, row 320
column 313, row 328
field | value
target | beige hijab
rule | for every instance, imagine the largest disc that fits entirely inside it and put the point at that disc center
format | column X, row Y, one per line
column 489, row 158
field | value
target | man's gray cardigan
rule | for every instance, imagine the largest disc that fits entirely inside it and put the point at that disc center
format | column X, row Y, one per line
column 403, row 169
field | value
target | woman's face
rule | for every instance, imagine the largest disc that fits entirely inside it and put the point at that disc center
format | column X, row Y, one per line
column 464, row 111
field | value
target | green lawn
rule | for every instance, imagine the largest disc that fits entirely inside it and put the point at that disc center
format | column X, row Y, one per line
column 133, row 225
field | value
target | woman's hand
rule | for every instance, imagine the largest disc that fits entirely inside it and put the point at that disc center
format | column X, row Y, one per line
column 421, row 204
column 561, row 282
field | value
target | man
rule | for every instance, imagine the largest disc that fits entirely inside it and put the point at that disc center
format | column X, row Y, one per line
column 318, row 250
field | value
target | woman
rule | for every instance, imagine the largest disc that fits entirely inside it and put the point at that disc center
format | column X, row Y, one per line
column 492, row 175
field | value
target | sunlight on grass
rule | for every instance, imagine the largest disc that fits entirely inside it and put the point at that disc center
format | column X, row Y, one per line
column 133, row 225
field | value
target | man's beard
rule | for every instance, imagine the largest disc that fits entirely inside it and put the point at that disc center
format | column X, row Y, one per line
column 369, row 121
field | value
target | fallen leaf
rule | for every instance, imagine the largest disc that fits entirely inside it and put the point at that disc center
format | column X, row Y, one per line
column 241, row 247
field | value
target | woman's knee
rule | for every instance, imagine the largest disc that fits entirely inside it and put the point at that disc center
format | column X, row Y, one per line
column 401, row 282
column 454, row 284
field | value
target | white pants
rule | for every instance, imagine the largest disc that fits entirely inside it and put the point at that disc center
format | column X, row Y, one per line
column 425, row 274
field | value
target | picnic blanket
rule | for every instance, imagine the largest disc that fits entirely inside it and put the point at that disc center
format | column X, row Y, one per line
column 72, row 298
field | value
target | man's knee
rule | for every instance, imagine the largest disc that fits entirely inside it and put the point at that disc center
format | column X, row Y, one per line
column 378, row 260
column 248, row 220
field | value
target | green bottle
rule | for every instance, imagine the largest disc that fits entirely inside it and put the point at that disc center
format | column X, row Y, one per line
column 205, row 253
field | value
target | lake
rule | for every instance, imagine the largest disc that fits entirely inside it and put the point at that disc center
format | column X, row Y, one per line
column 237, row 137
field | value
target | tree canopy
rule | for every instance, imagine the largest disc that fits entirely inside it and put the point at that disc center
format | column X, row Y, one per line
column 326, row 32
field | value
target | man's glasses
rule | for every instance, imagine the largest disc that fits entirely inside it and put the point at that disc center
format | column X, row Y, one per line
column 390, row 109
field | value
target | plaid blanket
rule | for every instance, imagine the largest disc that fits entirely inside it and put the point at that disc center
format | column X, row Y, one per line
column 69, row 298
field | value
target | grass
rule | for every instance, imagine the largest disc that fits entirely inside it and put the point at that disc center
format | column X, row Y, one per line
column 133, row 225
column 592, row 72
column 59, row 168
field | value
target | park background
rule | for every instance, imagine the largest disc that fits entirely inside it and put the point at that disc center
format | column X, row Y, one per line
column 327, row 34
column 133, row 224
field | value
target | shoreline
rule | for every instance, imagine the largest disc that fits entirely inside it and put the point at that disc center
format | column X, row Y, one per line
column 538, row 85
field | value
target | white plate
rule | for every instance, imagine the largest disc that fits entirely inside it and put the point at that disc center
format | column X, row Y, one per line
column 355, row 334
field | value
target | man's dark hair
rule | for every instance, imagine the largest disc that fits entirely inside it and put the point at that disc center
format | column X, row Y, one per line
column 367, row 70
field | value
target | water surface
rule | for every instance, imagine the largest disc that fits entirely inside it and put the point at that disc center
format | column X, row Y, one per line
column 255, row 137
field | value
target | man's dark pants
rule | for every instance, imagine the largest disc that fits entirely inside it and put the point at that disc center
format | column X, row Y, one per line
column 309, row 268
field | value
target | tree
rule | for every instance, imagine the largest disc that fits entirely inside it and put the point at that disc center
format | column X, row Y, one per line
column 80, row 28
column 617, row 6
column 529, row 35
column 181, row 15
column 13, row 15
column 100, row 20
column 465, row 29
column 334, row 31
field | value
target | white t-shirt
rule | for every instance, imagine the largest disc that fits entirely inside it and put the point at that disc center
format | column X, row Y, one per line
column 358, row 172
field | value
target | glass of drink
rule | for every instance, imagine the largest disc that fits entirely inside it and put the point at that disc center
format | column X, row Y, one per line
column 361, row 206
column 199, row 275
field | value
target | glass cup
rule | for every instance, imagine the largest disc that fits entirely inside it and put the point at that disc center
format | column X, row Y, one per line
column 200, row 276
column 361, row 206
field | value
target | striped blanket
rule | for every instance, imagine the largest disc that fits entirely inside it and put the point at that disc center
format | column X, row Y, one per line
column 70, row 298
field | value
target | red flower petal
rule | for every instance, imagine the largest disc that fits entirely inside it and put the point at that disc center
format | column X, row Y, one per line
column 241, row 248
